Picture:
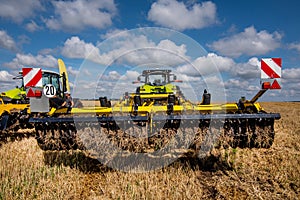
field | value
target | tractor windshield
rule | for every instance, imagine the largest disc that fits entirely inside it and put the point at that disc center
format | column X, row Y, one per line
column 157, row 79
column 51, row 78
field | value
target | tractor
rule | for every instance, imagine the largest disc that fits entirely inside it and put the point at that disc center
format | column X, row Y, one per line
column 15, row 105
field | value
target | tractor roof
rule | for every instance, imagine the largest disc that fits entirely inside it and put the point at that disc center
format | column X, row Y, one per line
column 156, row 71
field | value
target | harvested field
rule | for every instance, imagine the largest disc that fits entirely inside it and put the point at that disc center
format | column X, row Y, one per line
column 26, row 172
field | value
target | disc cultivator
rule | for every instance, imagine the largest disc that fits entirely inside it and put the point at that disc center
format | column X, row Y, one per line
column 157, row 116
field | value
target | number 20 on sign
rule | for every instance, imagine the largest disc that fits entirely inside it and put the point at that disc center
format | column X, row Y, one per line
column 49, row 90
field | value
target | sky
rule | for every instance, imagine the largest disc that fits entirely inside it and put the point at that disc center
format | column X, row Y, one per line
column 105, row 44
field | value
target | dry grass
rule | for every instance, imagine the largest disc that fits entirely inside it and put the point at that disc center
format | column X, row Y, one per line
column 28, row 173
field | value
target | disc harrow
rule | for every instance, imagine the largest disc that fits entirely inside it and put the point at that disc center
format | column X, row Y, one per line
column 156, row 120
column 15, row 125
column 90, row 134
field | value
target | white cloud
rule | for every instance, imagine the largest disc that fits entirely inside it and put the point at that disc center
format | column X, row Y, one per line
column 112, row 76
column 130, row 76
column 5, row 76
column 295, row 46
column 290, row 94
column 72, row 71
column 177, row 15
column 248, row 70
column 84, row 89
column 249, row 42
column 76, row 48
column 291, row 75
column 7, row 42
column 212, row 63
column 165, row 53
column 18, row 10
column 246, row 81
column 80, row 14
column 240, row 79
column 7, row 82
column 32, row 26
column 28, row 60
column 236, row 83
column 130, row 49
column 47, row 51
column 218, row 72
column 186, row 78
column 112, row 84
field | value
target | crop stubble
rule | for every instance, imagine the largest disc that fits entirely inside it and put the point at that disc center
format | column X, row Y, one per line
column 26, row 172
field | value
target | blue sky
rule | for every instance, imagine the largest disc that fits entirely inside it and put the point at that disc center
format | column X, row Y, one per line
column 235, row 35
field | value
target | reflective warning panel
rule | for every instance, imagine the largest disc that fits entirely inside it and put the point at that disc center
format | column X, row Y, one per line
column 271, row 73
column 32, row 77
column 270, row 68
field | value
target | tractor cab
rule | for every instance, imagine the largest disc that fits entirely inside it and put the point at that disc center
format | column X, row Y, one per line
column 157, row 89
column 157, row 81
column 54, row 78
column 156, row 77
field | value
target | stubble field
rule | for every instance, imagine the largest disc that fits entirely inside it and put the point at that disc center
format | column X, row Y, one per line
column 26, row 172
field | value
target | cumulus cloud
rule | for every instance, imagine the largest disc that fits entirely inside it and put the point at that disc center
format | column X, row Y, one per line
column 74, row 47
column 240, row 78
column 6, row 81
column 80, row 14
column 248, row 70
column 244, row 80
column 186, row 78
column 7, row 42
column 112, row 76
column 29, row 60
column 222, row 73
column 5, row 76
column 211, row 63
column 236, row 83
column 177, row 15
column 131, row 75
column 18, row 10
column 165, row 53
column 290, row 83
column 142, row 51
column 249, row 42
column 291, row 75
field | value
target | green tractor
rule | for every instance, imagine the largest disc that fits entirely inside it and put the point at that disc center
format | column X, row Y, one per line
column 158, row 81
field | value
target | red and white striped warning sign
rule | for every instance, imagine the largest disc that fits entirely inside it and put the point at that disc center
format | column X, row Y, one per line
column 270, row 68
column 271, row 73
column 32, row 77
